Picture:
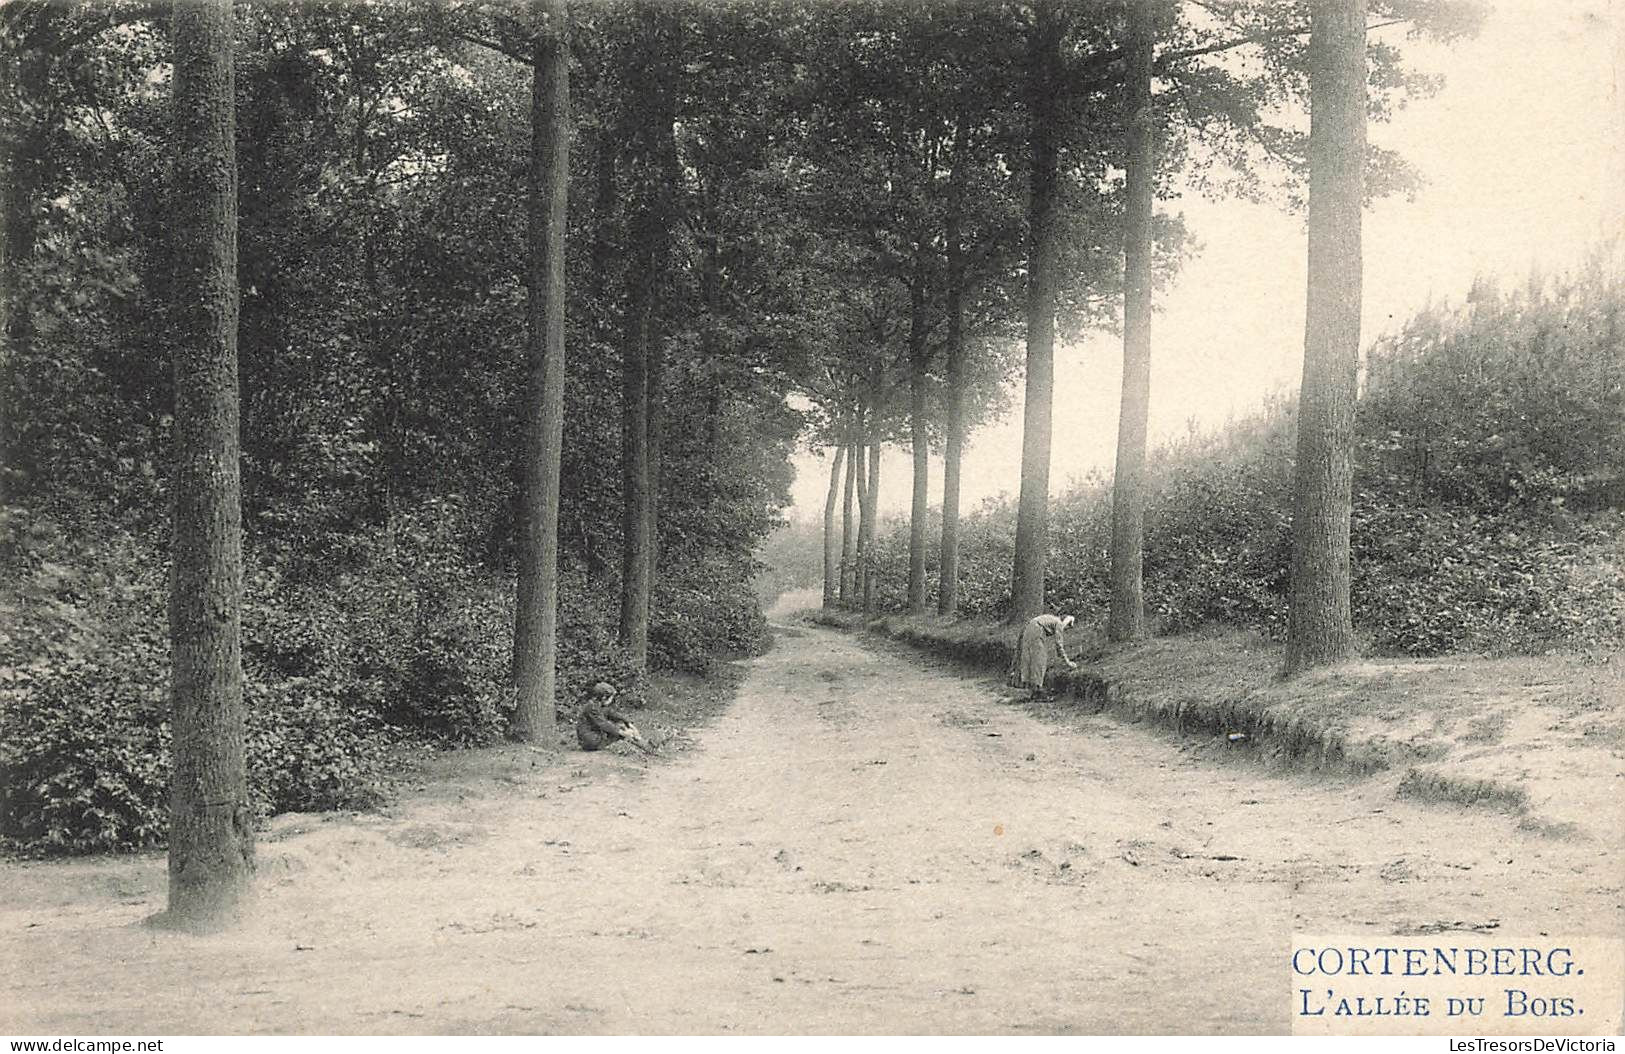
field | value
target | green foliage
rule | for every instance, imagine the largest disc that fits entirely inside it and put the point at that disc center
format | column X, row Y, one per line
column 84, row 698
column 83, row 763
column 1514, row 399
column 1436, row 579
column 588, row 649
column 310, row 748
column 83, row 690
column 699, row 619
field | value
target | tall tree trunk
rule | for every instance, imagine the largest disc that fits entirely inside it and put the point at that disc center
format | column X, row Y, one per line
column 1126, row 619
column 211, row 831
column 832, row 544
column 1320, row 628
column 1032, row 513
column 535, row 635
column 602, row 275
column 918, row 363
column 653, row 188
column 635, row 504
column 654, row 412
column 865, row 510
column 668, row 177
column 948, row 574
column 849, row 531
column 866, row 539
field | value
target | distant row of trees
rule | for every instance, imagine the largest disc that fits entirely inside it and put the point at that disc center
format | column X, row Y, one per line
column 1489, row 484
column 1089, row 106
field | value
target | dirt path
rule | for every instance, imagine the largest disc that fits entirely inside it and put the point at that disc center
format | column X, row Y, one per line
column 859, row 844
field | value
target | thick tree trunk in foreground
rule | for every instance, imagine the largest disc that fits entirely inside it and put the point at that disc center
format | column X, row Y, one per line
column 211, row 830
column 918, row 363
column 1320, row 628
column 849, row 532
column 1126, row 620
column 535, row 636
column 832, row 544
column 866, row 541
column 948, row 571
column 1032, row 513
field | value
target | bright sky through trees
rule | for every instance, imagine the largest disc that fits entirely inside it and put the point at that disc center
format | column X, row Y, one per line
column 1523, row 157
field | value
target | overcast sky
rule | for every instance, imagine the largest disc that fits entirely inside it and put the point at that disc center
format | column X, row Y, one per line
column 1524, row 165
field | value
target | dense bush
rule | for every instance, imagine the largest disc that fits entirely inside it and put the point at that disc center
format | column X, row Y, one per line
column 1489, row 489
column 408, row 639
column 83, row 669
column 700, row 618
column 84, row 700
column 1514, row 399
column 83, row 756
column 310, row 749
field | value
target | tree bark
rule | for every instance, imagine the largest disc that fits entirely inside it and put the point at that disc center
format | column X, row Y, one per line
column 211, row 832
column 635, row 505
column 1032, row 513
column 860, row 452
column 918, row 362
column 1126, row 618
column 711, row 297
column 832, row 544
column 668, row 177
column 1320, row 629
column 849, row 531
column 535, row 637
column 652, row 113
column 948, row 572
column 654, row 413
column 866, row 559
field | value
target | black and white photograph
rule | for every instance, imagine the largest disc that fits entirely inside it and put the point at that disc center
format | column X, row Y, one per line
column 950, row 518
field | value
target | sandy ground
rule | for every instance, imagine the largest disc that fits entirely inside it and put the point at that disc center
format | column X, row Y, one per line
column 861, row 843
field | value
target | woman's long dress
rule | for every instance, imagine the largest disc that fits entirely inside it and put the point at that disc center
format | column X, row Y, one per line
column 1033, row 651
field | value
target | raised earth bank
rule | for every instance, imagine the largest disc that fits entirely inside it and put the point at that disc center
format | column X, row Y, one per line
column 1541, row 737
